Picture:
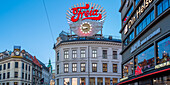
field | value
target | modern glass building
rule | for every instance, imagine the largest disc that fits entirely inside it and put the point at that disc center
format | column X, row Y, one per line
column 145, row 42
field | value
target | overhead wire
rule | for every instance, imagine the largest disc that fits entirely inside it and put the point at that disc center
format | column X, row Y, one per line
column 49, row 23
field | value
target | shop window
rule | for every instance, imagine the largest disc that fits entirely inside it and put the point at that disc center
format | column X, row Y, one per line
column 162, row 6
column 163, row 48
column 66, row 81
column 66, row 54
column 94, row 67
column 107, row 81
column 74, row 67
column 99, row 81
column 104, row 54
column 162, row 80
column 82, row 81
column 92, row 81
column 74, row 81
column 104, row 67
column 115, row 80
column 74, row 53
column 66, row 68
column 146, row 21
column 145, row 60
column 128, row 68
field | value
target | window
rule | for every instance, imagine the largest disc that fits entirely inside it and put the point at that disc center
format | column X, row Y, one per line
column 115, row 81
column 163, row 49
column 74, row 67
column 22, row 75
column 57, row 69
column 137, row 1
column 104, row 54
column 15, row 83
column 8, row 65
column 0, row 76
column 94, row 53
column 7, row 83
column 22, row 65
column 128, row 68
column 145, row 60
column 29, row 68
column 66, row 68
column 16, row 74
column 8, row 75
column 57, row 81
column 114, row 68
column 114, row 54
column 0, row 67
column 162, row 6
column 104, row 67
column 25, row 76
column 83, row 67
column 82, row 53
column 57, row 56
column 4, row 66
column 129, row 38
column 4, row 75
column 29, row 77
column 66, row 54
column 146, row 21
column 94, row 67
column 16, row 64
column 74, row 53
column 26, row 67
column 128, row 14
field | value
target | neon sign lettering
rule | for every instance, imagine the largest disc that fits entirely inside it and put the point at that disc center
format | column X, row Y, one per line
column 89, row 14
column 138, row 70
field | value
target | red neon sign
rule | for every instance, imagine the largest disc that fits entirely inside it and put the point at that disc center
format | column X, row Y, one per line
column 89, row 14
column 138, row 70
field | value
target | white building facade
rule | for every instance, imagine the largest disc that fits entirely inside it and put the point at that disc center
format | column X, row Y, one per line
column 15, row 70
column 88, row 62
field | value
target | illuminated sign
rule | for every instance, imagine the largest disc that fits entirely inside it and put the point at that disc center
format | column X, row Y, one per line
column 123, row 78
column 141, row 9
column 162, row 65
column 138, row 71
column 77, row 11
column 86, row 19
column 139, row 43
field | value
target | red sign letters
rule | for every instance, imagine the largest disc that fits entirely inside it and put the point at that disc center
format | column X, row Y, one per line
column 138, row 70
column 89, row 14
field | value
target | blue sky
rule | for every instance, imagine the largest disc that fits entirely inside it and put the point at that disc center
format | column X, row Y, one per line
column 24, row 23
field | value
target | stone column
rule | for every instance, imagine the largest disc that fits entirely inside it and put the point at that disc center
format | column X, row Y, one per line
column 103, row 80
column 87, row 81
column 78, row 81
column 70, row 81
column 95, row 80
